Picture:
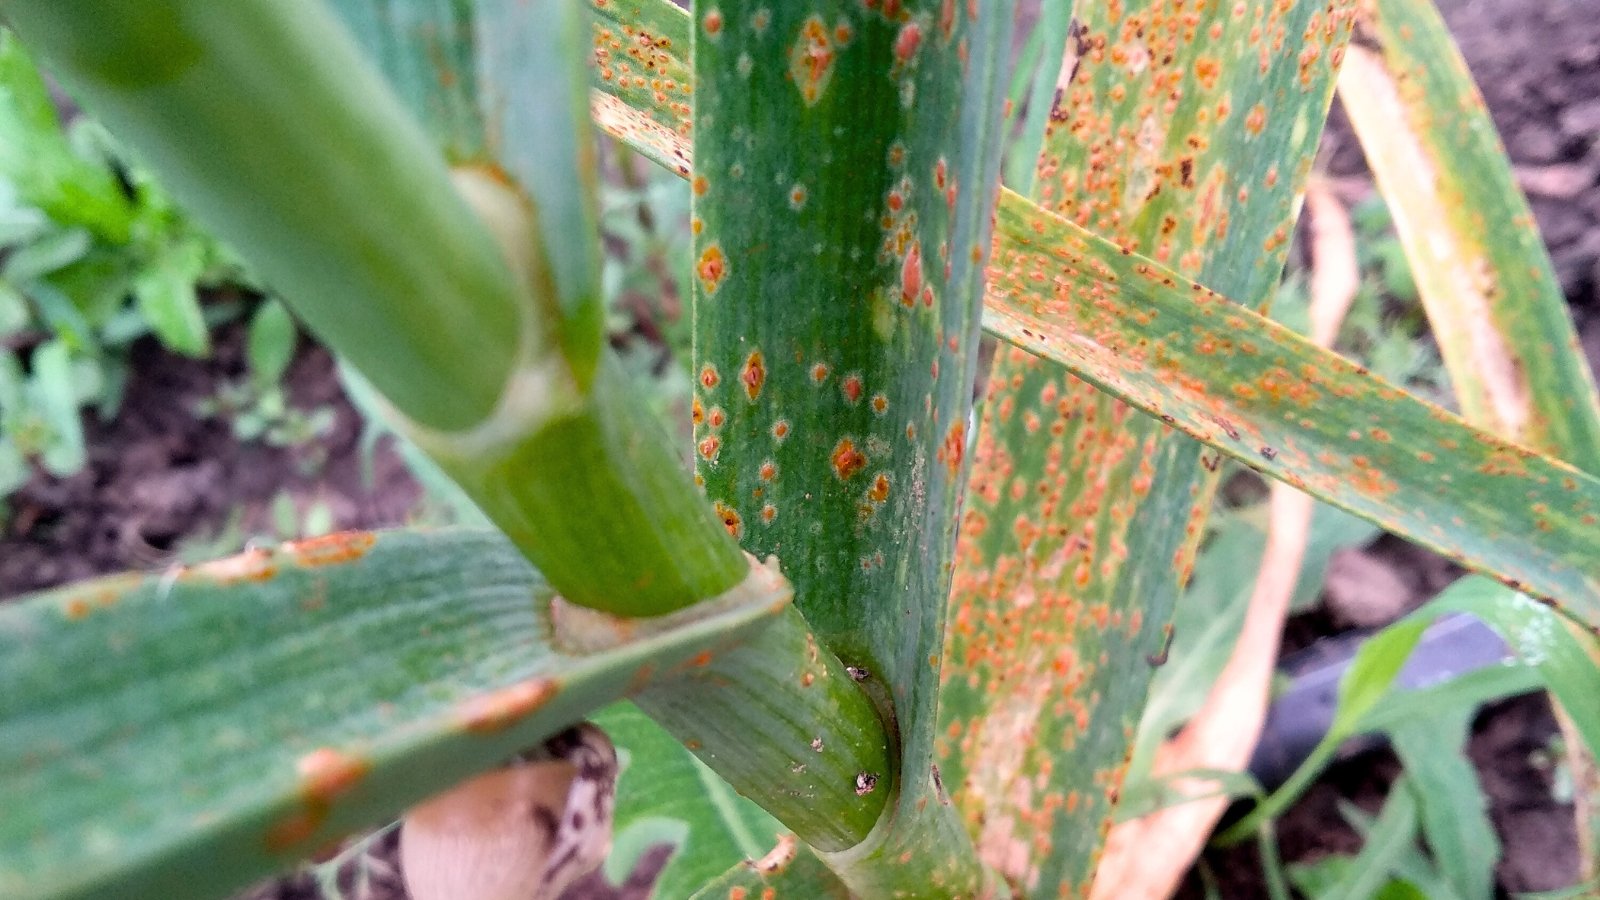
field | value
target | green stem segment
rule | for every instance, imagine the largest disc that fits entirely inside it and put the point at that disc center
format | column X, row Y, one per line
column 262, row 117
column 479, row 326
column 589, row 488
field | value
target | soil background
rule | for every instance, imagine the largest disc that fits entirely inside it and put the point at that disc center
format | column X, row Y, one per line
column 159, row 476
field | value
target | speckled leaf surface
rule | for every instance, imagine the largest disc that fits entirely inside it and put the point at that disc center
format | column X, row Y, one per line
column 1267, row 397
column 845, row 162
column 641, row 68
column 1187, row 133
column 247, row 712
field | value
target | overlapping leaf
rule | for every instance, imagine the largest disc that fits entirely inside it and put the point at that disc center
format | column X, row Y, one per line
column 1483, row 274
column 667, row 797
column 1265, row 396
column 845, row 162
column 247, row 712
column 1083, row 515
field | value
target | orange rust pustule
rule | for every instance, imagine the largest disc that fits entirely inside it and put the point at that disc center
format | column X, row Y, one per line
column 731, row 519
column 331, row 549
column 501, row 709
column 811, row 60
column 911, row 275
column 712, row 268
column 754, row 374
column 907, row 42
column 846, row 459
column 955, row 446
column 327, row 773
column 294, row 829
column 851, row 388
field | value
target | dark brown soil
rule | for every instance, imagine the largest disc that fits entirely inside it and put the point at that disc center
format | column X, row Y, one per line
column 159, row 475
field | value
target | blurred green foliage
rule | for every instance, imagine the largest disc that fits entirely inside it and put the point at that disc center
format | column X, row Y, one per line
column 93, row 254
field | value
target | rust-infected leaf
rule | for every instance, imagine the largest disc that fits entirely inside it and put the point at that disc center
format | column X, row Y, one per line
column 846, row 156
column 1246, row 385
column 1185, row 133
column 1148, row 856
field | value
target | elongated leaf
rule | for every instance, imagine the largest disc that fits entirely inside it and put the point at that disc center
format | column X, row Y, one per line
column 1083, row 515
column 1387, row 840
column 1213, row 608
column 597, row 479
column 1481, row 270
column 1267, row 397
column 248, row 711
column 302, row 181
column 469, row 299
column 38, row 160
column 666, row 796
column 1484, row 277
column 1082, row 301
column 641, row 53
column 1562, row 656
column 1453, row 810
column 1050, row 51
column 845, row 162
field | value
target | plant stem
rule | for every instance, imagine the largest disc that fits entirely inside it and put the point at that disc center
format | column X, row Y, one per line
column 444, row 290
column 262, row 117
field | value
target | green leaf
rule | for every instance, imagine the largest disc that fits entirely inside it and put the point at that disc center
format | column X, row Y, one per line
column 666, row 796
column 1468, row 690
column 1565, row 658
column 1048, row 43
column 14, row 312
column 248, row 711
column 845, row 162
column 271, row 342
column 53, row 395
column 1363, row 685
column 1142, row 311
column 1258, row 392
column 1484, row 276
column 14, row 470
column 1388, row 840
column 1208, row 617
column 1083, row 517
column 1489, row 288
column 646, row 39
column 36, row 157
column 1453, row 809
column 51, row 251
column 165, row 291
